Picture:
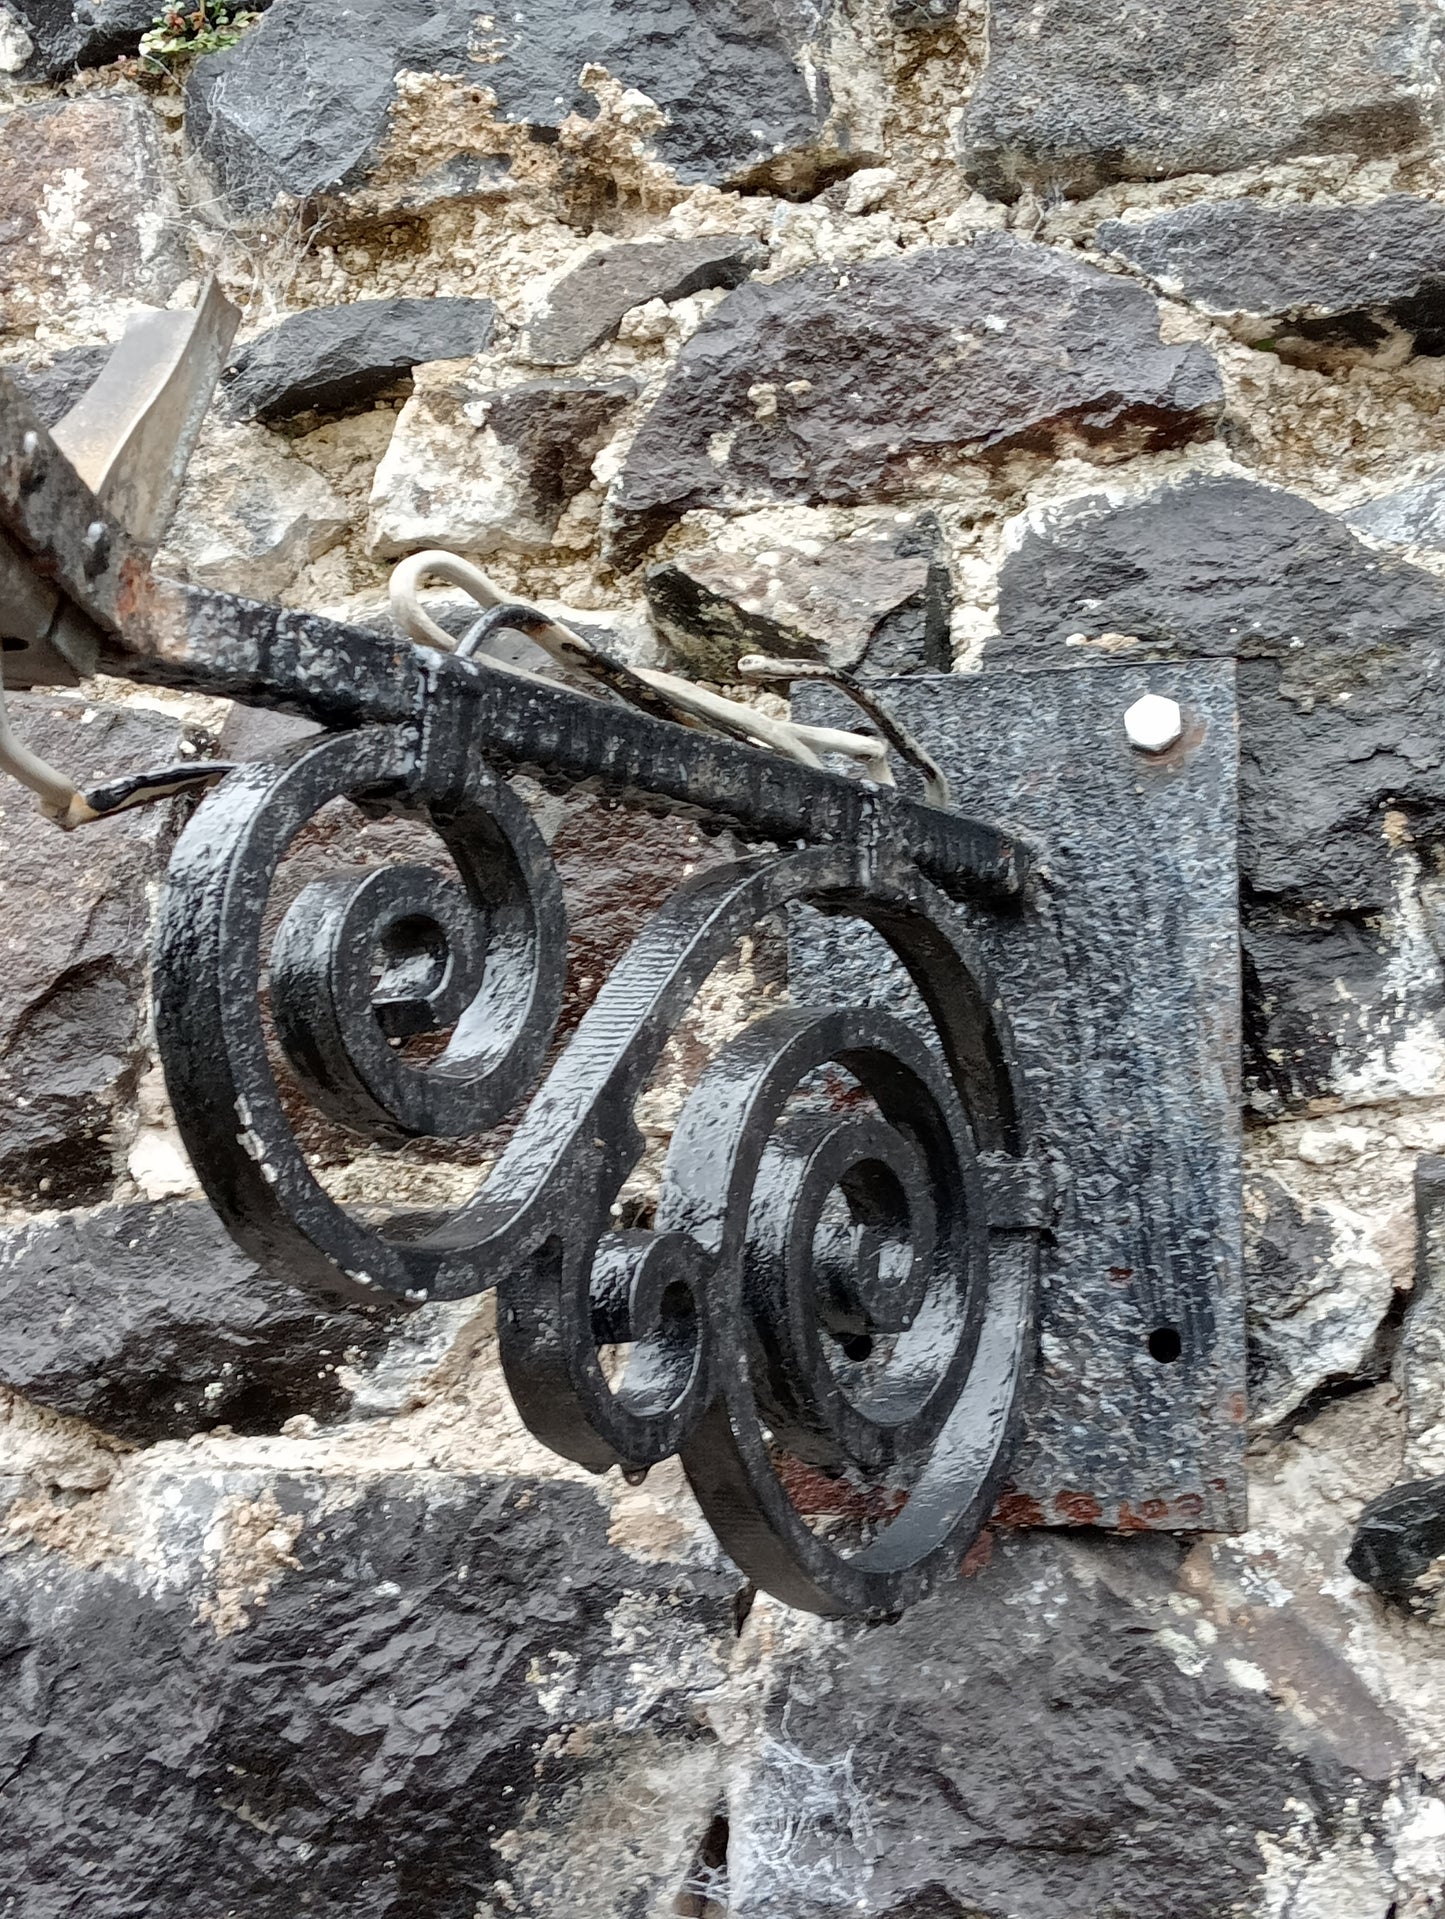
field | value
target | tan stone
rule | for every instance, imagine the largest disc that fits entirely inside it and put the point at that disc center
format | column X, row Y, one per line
column 88, row 215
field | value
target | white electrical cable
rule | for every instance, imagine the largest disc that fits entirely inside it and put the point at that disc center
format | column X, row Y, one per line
column 805, row 744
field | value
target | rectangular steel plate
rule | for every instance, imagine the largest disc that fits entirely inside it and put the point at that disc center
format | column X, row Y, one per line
column 1120, row 976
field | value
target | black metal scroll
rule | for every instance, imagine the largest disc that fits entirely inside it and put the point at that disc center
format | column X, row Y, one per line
column 838, row 1288
column 833, row 1285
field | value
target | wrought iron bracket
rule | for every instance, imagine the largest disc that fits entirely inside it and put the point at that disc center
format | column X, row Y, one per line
column 833, row 1316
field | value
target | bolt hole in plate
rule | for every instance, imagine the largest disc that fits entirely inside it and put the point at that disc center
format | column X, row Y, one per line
column 1165, row 1345
column 1120, row 979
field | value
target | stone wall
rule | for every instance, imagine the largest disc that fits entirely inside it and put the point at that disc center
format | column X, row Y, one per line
column 1047, row 331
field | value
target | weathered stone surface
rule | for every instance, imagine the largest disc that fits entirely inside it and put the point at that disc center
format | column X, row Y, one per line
column 1318, row 1299
column 1075, row 95
column 69, row 34
column 483, row 471
column 728, row 77
column 73, row 946
column 1316, row 279
column 1399, row 1547
column 53, row 390
column 586, row 307
column 1071, row 1733
column 389, row 1697
column 1415, row 516
column 843, row 382
column 146, row 1320
column 878, row 602
column 251, row 515
column 1341, row 685
column 337, row 359
column 88, row 214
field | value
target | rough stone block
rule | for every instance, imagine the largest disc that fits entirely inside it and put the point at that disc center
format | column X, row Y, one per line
column 1315, row 280
column 88, row 214
column 354, row 1695
column 73, row 950
column 301, row 106
column 1075, row 95
column 586, row 307
column 251, row 515
column 338, row 359
column 877, row 602
column 1399, row 1544
column 67, row 35
column 1415, row 516
column 146, row 1321
column 1342, row 704
column 485, row 471
column 843, row 382
column 1066, row 1734
column 1318, row 1298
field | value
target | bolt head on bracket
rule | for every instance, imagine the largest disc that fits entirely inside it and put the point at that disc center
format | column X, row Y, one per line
column 1153, row 723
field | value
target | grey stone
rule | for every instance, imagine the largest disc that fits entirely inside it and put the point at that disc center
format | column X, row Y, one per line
column 586, row 307
column 916, row 16
column 88, row 211
column 1414, row 516
column 876, row 603
column 53, row 390
column 1341, row 688
column 1399, row 1544
column 484, row 470
column 843, row 382
column 1318, row 280
column 71, row 34
column 727, row 73
column 338, row 359
column 1318, row 1301
column 387, row 1697
column 74, row 946
column 251, row 515
column 1052, row 1740
column 1077, row 93
column 145, row 1320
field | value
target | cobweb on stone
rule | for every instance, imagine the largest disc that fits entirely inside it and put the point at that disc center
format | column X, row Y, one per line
column 810, row 1831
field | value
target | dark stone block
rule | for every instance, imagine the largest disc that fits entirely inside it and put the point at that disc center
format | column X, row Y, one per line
column 875, row 603
column 53, row 390
column 1030, row 1746
column 586, row 307
column 842, row 382
column 301, row 105
column 1342, row 711
column 77, row 919
column 337, row 359
column 354, row 1706
column 71, row 34
column 146, row 1320
column 1077, row 93
column 555, row 429
column 1316, row 279
column 1399, row 1536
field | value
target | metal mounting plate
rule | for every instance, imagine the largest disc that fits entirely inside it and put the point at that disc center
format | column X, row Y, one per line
column 1120, row 975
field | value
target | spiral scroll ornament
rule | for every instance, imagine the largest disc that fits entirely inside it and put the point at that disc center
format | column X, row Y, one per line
column 830, row 1319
